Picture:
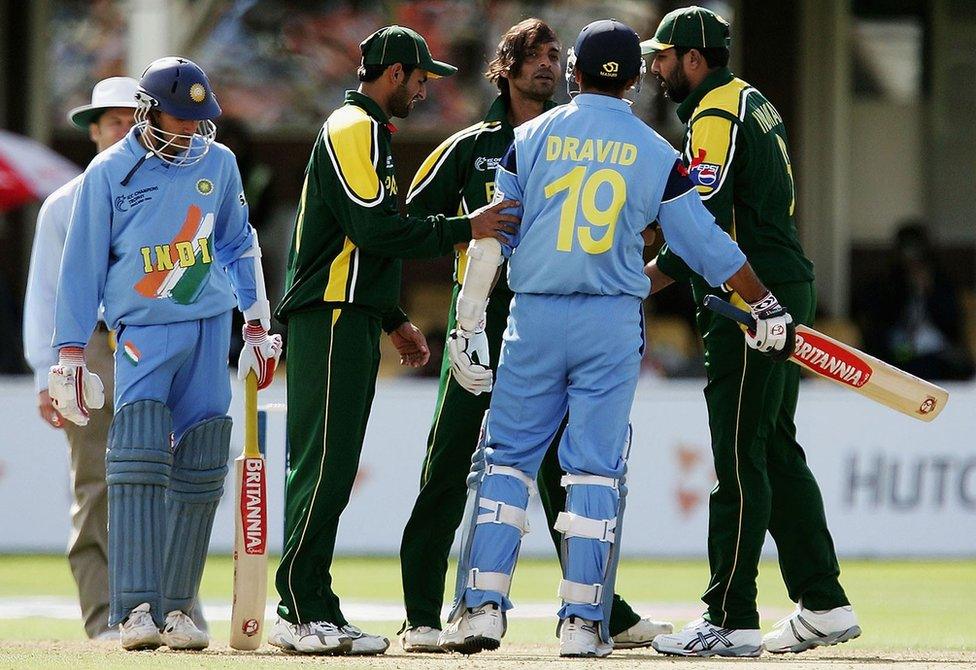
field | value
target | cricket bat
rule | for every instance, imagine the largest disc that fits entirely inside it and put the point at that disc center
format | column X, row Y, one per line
column 853, row 369
column 251, row 536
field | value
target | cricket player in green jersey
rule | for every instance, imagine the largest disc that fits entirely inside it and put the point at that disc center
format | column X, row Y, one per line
column 456, row 178
column 735, row 151
column 342, row 290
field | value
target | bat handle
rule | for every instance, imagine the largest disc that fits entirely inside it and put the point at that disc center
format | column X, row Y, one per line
column 251, row 415
column 729, row 311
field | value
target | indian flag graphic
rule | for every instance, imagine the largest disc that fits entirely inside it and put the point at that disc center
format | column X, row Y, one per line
column 182, row 267
column 131, row 353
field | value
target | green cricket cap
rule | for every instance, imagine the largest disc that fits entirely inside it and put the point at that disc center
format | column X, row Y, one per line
column 690, row 27
column 396, row 44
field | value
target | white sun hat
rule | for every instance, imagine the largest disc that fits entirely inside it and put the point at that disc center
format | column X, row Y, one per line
column 108, row 93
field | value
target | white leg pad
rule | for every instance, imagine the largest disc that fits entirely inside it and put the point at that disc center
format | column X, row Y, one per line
column 574, row 525
column 499, row 512
column 489, row 581
column 580, row 594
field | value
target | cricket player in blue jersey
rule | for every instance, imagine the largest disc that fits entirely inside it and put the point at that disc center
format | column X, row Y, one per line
column 159, row 236
column 591, row 178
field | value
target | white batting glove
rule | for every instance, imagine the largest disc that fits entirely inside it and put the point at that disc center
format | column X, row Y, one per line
column 260, row 353
column 468, row 352
column 73, row 389
column 775, row 334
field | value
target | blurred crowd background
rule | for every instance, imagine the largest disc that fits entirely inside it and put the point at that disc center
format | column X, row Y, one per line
column 877, row 97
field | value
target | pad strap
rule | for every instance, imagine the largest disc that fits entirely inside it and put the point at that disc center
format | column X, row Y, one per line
column 574, row 525
column 589, row 480
column 512, row 472
column 489, row 581
column 499, row 512
column 580, row 594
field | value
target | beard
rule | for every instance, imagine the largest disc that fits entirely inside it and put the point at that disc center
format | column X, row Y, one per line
column 538, row 90
column 676, row 87
column 400, row 103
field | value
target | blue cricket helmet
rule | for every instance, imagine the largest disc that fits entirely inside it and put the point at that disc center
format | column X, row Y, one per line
column 608, row 50
column 179, row 87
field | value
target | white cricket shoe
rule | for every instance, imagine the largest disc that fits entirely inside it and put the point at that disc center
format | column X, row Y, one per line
column 139, row 631
column 180, row 632
column 421, row 639
column 314, row 637
column 580, row 638
column 478, row 629
column 364, row 644
column 110, row 635
column 805, row 629
column 641, row 634
column 701, row 638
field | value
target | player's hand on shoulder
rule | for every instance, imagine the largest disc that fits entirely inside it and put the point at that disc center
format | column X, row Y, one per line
column 73, row 389
column 411, row 344
column 470, row 360
column 492, row 221
column 775, row 333
column 260, row 353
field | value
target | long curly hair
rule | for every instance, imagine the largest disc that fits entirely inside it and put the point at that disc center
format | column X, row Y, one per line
column 514, row 47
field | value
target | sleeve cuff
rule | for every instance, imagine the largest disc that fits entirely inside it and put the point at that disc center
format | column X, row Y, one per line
column 260, row 310
column 460, row 229
column 393, row 320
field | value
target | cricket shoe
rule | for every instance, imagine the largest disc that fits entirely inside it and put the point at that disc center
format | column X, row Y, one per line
column 180, row 632
column 805, row 629
column 701, row 638
column 421, row 639
column 314, row 637
column 580, row 638
column 139, row 631
column 478, row 629
column 641, row 634
column 364, row 644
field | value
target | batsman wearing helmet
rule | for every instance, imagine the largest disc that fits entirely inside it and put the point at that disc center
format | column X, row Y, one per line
column 159, row 236
column 735, row 153
column 590, row 177
column 459, row 176
column 342, row 291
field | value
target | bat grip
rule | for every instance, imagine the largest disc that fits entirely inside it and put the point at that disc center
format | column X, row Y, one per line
column 729, row 311
column 251, row 415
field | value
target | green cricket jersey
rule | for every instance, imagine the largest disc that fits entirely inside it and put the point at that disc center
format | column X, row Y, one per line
column 459, row 176
column 736, row 153
column 349, row 236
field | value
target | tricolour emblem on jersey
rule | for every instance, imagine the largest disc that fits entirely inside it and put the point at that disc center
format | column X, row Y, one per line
column 179, row 270
column 205, row 186
column 131, row 352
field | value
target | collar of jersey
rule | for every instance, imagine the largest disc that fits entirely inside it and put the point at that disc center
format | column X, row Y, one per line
column 136, row 148
column 720, row 77
column 499, row 110
column 602, row 101
column 368, row 104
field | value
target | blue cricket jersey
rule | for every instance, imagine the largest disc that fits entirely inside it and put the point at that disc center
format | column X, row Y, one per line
column 591, row 177
column 166, row 247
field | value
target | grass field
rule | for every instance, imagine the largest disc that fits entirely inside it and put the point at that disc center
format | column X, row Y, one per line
column 910, row 611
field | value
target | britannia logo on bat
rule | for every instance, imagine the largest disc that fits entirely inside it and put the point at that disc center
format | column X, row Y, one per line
column 826, row 358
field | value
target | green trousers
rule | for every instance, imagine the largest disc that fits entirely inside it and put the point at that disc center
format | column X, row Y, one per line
column 764, row 482
column 333, row 358
column 436, row 515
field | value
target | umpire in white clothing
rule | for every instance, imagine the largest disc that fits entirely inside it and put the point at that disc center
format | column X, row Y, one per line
column 107, row 119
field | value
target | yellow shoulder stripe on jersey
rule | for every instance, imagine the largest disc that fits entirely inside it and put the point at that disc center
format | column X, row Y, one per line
column 712, row 143
column 429, row 168
column 301, row 215
column 728, row 98
column 339, row 273
column 353, row 147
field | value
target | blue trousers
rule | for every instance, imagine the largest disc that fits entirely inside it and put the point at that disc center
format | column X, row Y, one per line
column 182, row 365
column 579, row 353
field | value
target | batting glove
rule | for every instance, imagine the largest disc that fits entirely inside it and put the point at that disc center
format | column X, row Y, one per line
column 775, row 334
column 73, row 389
column 468, row 352
column 260, row 354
